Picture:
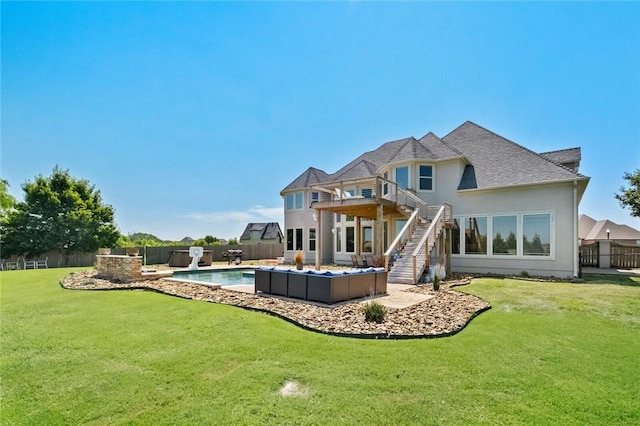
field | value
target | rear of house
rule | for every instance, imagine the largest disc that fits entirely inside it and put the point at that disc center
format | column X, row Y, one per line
column 511, row 209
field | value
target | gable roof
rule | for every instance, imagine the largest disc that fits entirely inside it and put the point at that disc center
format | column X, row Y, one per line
column 598, row 230
column 562, row 156
column 491, row 160
column 567, row 157
column 268, row 231
column 585, row 225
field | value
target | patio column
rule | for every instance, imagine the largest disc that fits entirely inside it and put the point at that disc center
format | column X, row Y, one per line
column 318, row 239
column 358, row 235
column 379, row 230
column 447, row 245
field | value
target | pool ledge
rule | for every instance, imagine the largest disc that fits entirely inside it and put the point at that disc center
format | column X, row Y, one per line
column 180, row 280
column 155, row 275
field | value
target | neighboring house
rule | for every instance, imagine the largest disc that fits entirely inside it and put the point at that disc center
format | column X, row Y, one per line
column 591, row 231
column 262, row 233
column 472, row 199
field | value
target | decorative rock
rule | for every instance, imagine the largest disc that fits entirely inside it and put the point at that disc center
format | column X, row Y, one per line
column 444, row 314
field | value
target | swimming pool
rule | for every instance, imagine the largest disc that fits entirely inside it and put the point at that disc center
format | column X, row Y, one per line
column 224, row 277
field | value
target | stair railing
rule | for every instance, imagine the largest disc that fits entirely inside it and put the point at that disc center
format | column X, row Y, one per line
column 423, row 250
column 419, row 202
column 407, row 230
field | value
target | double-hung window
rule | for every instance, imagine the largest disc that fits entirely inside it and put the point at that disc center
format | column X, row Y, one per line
column 312, row 239
column 426, row 178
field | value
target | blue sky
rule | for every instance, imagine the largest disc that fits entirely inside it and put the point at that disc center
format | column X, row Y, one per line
column 190, row 118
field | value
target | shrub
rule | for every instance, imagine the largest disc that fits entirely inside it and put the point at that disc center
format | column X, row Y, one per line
column 374, row 311
column 298, row 257
column 436, row 282
column 524, row 274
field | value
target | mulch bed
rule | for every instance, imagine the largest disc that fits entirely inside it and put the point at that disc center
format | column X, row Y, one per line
column 445, row 314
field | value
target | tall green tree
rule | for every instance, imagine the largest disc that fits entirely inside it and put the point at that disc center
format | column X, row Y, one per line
column 630, row 197
column 60, row 213
column 6, row 200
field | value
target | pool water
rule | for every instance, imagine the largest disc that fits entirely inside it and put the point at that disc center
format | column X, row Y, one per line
column 223, row 277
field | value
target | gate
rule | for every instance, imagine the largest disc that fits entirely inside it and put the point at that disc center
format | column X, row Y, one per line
column 590, row 255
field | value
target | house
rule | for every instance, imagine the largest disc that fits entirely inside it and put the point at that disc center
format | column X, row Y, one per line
column 262, row 233
column 472, row 200
column 591, row 231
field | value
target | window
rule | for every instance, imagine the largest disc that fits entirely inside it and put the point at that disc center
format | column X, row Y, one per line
column 511, row 235
column 455, row 237
column 536, row 234
column 350, row 218
column 299, row 239
column 385, row 185
column 367, row 192
column 289, row 239
column 338, row 240
column 426, row 178
column 367, row 239
column 312, row 239
column 505, row 229
column 338, row 217
column 475, row 232
column 351, row 239
column 315, row 197
column 294, row 239
column 294, row 200
column 402, row 177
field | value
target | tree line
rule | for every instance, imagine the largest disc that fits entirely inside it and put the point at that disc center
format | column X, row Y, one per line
column 66, row 214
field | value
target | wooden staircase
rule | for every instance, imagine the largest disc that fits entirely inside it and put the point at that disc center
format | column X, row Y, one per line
column 415, row 254
column 402, row 270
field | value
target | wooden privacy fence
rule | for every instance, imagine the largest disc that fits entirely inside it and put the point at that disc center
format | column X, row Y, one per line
column 160, row 255
column 625, row 256
column 590, row 255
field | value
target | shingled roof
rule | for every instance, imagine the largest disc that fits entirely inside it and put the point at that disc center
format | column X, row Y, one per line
column 311, row 176
column 566, row 157
column 492, row 160
column 268, row 231
column 591, row 230
column 499, row 162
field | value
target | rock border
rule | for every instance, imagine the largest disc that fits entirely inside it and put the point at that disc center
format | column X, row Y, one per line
column 445, row 314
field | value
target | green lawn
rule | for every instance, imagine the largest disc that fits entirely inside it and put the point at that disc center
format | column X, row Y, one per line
column 546, row 353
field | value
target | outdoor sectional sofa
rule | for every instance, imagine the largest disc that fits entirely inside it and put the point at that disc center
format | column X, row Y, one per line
column 321, row 286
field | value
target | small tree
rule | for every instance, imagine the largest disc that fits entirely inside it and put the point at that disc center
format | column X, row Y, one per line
column 60, row 213
column 630, row 197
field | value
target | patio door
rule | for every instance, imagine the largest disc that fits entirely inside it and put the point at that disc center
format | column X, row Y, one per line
column 367, row 239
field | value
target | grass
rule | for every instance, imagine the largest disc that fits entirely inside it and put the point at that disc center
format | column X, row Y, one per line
column 546, row 353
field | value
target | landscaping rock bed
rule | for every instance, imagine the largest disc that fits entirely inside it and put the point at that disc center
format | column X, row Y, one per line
column 444, row 314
